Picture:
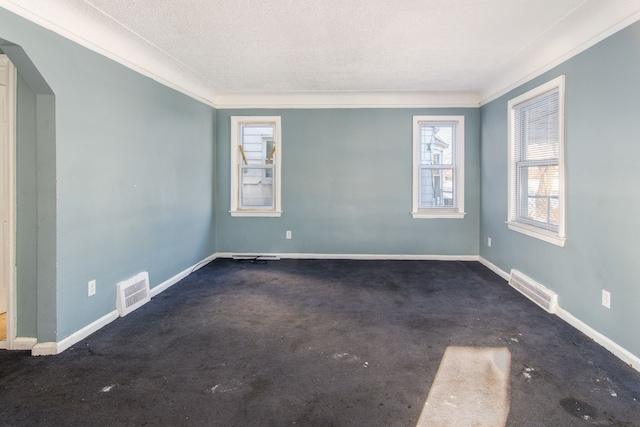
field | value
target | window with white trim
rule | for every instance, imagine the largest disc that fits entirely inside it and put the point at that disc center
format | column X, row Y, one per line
column 438, row 167
column 256, row 150
column 536, row 166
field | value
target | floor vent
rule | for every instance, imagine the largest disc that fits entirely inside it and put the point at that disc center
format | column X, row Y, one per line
column 256, row 257
column 534, row 291
column 133, row 293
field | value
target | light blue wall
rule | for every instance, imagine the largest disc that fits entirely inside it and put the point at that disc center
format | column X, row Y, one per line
column 142, row 183
column 27, row 205
column 134, row 164
column 35, row 199
column 602, row 200
column 346, row 187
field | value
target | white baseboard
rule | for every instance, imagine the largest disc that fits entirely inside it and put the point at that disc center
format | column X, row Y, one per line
column 491, row 266
column 620, row 352
column 45, row 349
column 23, row 343
column 51, row 348
column 86, row 331
column 350, row 256
column 184, row 273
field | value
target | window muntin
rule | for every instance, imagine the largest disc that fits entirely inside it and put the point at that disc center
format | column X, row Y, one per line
column 438, row 179
column 255, row 166
column 536, row 175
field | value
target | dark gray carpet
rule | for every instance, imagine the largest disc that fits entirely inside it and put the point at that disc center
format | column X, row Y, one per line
column 316, row 343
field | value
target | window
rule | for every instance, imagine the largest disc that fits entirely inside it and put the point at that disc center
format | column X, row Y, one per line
column 256, row 149
column 536, row 172
column 438, row 167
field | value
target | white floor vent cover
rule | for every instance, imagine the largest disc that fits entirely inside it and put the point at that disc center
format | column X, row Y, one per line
column 133, row 293
column 534, row 291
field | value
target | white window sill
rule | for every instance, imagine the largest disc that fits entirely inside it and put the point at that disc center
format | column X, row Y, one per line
column 256, row 213
column 531, row 231
column 435, row 213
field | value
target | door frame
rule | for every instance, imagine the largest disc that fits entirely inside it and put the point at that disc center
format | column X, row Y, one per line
column 10, row 181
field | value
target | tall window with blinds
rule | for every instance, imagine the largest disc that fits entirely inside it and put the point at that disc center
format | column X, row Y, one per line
column 438, row 167
column 255, row 153
column 536, row 145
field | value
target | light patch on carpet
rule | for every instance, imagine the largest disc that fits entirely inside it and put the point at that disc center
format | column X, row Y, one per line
column 346, row 356
column 471, row 388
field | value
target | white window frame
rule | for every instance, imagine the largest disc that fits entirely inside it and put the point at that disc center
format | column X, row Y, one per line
column 527, row 228
column 236, row 210
column 457, row 211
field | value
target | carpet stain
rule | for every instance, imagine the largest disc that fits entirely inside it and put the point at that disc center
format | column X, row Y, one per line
column 258, row 386
column 579, row 409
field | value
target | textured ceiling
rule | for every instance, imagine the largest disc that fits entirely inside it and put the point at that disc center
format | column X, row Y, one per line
column 212, row 47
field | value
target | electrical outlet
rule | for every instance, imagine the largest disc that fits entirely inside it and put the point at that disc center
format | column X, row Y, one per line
column 91, row 288
column 606, row 299
column 288, row 234
column 489, row 241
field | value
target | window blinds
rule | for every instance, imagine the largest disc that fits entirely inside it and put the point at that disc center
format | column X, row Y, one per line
column 536, row 157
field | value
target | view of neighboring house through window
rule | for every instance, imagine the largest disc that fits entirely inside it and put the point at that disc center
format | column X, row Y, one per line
column 438, row 170
column 536, row 169
column 255, row 152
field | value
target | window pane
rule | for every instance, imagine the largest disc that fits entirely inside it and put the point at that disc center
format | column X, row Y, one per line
column 436, row 143
column 539, row 194
column 256, row 186
column 436, row 187
column 257, row 143
column 537, row 128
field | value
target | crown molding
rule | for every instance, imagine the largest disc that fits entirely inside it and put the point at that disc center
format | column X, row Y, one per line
column 347, row 100
column 579, row 31
column 80, row 22
column 90, row 28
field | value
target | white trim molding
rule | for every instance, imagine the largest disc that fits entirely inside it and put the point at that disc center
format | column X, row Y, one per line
column 456, row 123
column 615, row 348
column 536, row 233
column 620, row 352
column 88, row 26
column 571, row 36
column 52, row 348
column 515, row 222
column 23, row 343
column 9, row 76
column 45, row 349
column 158, row 289
column 86, row 331
column 271, row 255
column 347, row 99
column 236, row 143
column 491, row 266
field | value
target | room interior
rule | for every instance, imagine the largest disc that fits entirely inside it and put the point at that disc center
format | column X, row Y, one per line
column 122, row 122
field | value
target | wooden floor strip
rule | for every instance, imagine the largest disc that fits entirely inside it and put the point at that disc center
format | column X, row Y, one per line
column 3, row 326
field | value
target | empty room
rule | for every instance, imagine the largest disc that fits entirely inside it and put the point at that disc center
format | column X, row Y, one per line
column 320, row 213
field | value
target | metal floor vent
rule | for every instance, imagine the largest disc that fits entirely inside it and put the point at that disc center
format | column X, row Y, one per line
column 534, row 291
column 256, row 257
column 133, row 293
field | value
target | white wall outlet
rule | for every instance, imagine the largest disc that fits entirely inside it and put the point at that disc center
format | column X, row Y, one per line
column 91, row 288
column 606, row 298
column 489, row 241
column 288, row 234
